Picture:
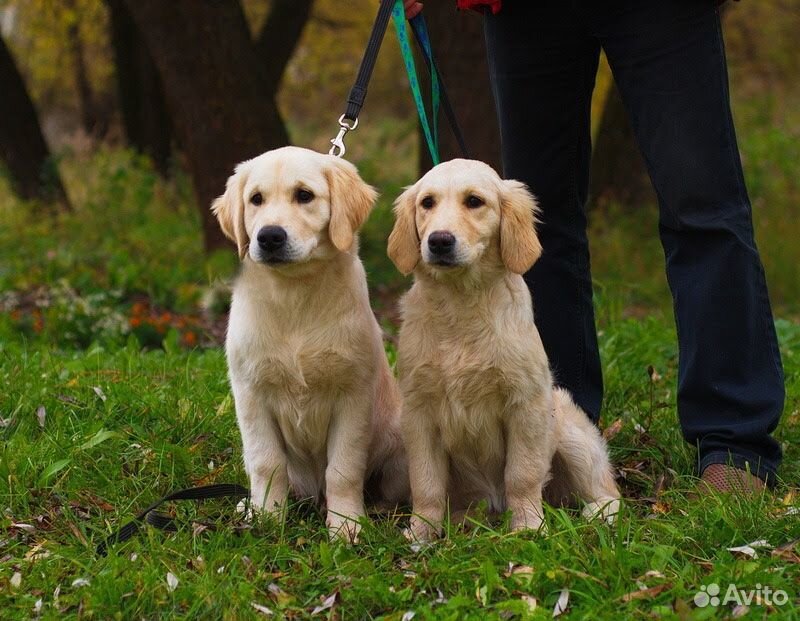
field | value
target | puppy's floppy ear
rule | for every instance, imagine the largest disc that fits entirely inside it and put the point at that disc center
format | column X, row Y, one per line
column 519, row 244
column 351, row 202
column 229, row 209
column 403, row 247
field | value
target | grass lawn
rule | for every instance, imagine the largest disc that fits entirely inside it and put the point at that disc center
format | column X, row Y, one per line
column 91, row 436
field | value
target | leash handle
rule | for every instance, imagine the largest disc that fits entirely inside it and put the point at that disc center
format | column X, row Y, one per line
column 164, row 522
column 358, row 94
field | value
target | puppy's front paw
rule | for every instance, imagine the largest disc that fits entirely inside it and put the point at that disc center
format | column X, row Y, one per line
column 606, row 508
column 531, row 521
column 343, row 528
column 421, row 530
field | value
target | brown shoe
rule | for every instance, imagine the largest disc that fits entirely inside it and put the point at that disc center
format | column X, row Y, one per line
column 722, row 479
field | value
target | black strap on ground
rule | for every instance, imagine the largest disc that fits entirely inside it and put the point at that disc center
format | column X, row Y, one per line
column 430, row 62
column 164, row 522
column 359, row 91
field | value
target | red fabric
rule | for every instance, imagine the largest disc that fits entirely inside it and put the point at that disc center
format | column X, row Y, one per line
column 478, row 5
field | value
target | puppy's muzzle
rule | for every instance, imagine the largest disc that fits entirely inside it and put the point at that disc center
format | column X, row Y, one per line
column 272, row 242
column 442, row 245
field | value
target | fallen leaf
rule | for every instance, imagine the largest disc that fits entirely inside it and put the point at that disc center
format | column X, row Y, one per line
column 37, row 606
column 99, row 392
column 408, row 615
column 41, row 415
column 787, row 552
column 281, row 597
column 530, row 601
column 740, row 611
column 20, row 526
column 16, row 580
column 262, row 609
column 645, row 593
column 749, row 550
column 36, row 552
column 78, row 534
column 525, row 570
column 562, row 603
column 613, row 429
column 327, row 604
column 172, row 581
column 5, row 422
column 80, row 582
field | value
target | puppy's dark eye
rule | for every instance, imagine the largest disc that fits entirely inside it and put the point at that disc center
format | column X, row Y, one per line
column 257, row 199
column 304, row 196
column 427, row 202
column 474, row 202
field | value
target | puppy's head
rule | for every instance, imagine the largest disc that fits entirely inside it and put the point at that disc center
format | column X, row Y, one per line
column 461, row 214
column 293, row 205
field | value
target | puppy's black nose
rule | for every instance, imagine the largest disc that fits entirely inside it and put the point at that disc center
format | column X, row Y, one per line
column 271, row 238
column 441, row 242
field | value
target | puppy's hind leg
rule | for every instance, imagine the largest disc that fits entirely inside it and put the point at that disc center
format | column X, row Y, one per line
column 582, row 459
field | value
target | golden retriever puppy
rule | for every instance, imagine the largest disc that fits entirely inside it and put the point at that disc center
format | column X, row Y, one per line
column 481, row 420
column 316, row 401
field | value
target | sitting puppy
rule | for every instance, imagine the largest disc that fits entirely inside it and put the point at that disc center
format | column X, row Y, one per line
column 481, row 419
column 316, row 402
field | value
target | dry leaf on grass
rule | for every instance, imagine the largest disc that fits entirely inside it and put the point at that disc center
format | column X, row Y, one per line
column 172, row 581
column 516, row 570
column 327, row 604
column 99, row 392
column 613, row 429
column 531, row 602
column 16, row 580
column 645, row 593
column 562, row 603
column 41, row 415
column 749, row 550
column 262, row 609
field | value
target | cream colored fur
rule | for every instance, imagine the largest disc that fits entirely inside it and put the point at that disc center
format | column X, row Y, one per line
column 481, row 419
column 316, row 402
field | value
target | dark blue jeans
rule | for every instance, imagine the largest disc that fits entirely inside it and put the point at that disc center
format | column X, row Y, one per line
column 668, row 61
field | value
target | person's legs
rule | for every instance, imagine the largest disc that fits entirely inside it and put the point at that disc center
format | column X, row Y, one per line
column 543, row 64
column 669, row 63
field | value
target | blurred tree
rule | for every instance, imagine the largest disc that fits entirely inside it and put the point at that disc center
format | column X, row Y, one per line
column 222, row 108
column 22, row 145
column 145, row 116
column 458, row 44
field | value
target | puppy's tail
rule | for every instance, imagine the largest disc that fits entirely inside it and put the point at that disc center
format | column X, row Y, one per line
column 581, row 466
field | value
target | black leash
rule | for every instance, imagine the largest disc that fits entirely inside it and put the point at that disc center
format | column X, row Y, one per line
column 165, row 522
column 358, row 93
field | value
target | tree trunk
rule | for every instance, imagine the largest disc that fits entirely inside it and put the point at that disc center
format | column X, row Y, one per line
column 86, row 99
column 221, row 114
column 33, row 172
column 459, row 48
column 618, row 172
column 145, row 117
column 279, row 37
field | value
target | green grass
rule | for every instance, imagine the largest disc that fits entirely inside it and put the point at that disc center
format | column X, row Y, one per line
column 125, row 425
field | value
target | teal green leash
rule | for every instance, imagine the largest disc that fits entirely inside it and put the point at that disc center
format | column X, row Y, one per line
column 430, row 129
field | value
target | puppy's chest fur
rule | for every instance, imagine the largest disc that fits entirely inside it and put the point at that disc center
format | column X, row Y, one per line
column 299, row 367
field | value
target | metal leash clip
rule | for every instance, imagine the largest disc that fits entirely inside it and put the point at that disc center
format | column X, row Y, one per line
column 338, row 149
